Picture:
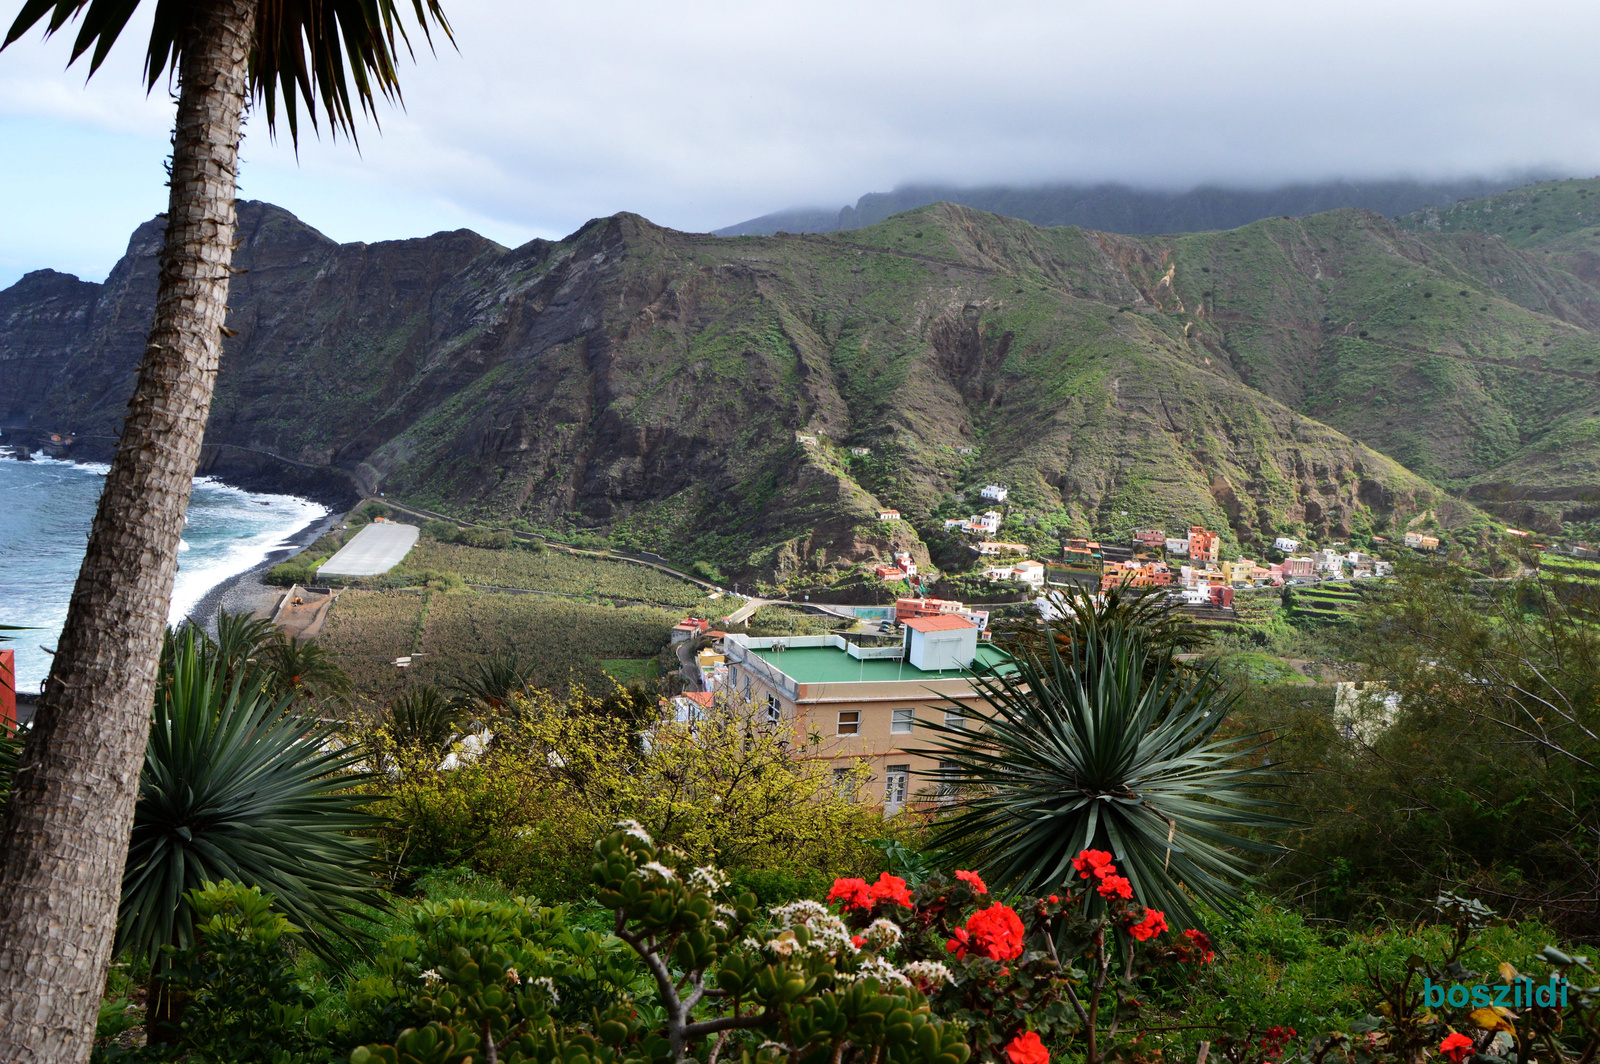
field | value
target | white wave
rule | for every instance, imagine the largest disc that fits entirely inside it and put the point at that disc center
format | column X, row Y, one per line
column 183, row 544
column 248, row 532
column 98, row 469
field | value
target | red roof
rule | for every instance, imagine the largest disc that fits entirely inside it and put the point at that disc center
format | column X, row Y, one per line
column 948, row 622
column 705, row 698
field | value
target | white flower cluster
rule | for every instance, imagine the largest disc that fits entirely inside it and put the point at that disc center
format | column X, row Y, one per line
column 882, row 935
column 783, row 944
column 881, row 970
column 829, row 936
column 799, row 913
column 659, row 870
column 928, row 973
column 511, row 974
column 548, row 985
column 431, row 978
column 634, row 828
column 707, row 879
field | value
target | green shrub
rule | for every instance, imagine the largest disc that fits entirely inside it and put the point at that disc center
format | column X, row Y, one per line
column 297, row 570
column 244, row 999
column 443, row 531
column 487, row 539
column 706, row 571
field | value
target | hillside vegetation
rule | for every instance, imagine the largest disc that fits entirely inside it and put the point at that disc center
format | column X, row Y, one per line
column 749, row 403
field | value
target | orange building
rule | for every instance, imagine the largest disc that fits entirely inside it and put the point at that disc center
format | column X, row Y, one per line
column 1203, row 545
column 1135, row 574
column 907, row 608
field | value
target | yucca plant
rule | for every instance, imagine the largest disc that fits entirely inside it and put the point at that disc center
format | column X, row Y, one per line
column 238, row 786
column 1146, row 613
column 491, row 684
column 423, row 720
column 1089, row 747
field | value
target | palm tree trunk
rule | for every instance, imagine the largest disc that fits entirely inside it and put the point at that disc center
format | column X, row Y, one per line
column 64, row 839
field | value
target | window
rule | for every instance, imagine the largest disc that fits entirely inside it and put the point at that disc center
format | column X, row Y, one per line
column 896, row 780
column 948, row 779
column 849, row 722
column 844, row 781
column 774, row 709
column 955, row 718
column 902, row 721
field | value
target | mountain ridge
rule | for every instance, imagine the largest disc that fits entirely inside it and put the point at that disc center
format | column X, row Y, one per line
column 704, row 397
column 1119, row 208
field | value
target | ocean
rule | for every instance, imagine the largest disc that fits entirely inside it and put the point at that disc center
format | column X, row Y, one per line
column 46, row 508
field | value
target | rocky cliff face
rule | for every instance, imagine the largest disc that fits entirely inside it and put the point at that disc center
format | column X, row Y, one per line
column 752, row 402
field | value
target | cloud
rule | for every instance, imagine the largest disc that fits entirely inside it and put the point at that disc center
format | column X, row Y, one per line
column 698, row 114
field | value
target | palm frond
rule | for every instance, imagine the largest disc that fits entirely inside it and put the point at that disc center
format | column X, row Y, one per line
column 1088, row 747
column 338, row 55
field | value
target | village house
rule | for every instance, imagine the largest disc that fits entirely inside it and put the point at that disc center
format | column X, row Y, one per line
column 988, row 524
column 1418, row 541
column 861, row 452
column 1135, row 574
column 1177, row 547
column 1027, row 572
column 1381, row 567
column 907, row 608
column 994, row 492
column 1082, row 553
column 1298, row 568
column 903, row 567
column 1285, row 544
column 888, row 515
column 1327, row 560
column 1150, row 538
column 688, row 628
column 1203, row 545
column 1239, row 571
column 865, row 701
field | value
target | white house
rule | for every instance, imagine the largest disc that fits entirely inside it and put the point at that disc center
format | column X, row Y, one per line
column 995, row 492
column 989, row 522
column 1179, row 547
column 1285, row 544
column 1328, row 560
column 1029, row 572
column 891, row 515
column 1382, row 568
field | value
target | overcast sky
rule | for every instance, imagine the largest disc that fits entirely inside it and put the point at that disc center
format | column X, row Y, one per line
column 699, row 114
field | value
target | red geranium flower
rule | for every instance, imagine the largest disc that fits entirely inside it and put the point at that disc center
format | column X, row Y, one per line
column 1027, row 1049
column 1090, row 862
column 891, row 888
column 1054, row 899
column 1201, row 943
column 858, row 941
column 995, row 932
column 973, row 880
column 1153, row 924
column 1114, row 886
column 851, row 894
column 1457, row 1047
column 1274, row 1040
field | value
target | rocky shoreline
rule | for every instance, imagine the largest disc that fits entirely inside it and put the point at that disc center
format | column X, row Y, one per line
column 245, row 592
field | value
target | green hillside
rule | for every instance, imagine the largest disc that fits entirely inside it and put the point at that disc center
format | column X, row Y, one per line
column 751, row 402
